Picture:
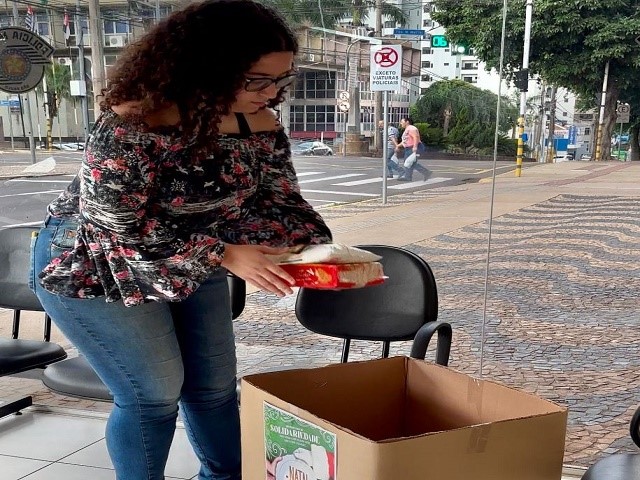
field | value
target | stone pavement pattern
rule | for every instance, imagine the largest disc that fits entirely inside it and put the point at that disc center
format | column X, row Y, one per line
column 562, row 309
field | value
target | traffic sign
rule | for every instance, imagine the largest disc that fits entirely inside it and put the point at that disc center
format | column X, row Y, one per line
column 386, row 68
column 439, row 41
column 344, row 95
column 408, row 32
column 343, row 106
column 623, row 113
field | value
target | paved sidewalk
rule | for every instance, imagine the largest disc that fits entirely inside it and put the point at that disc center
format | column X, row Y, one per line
column 562, row 310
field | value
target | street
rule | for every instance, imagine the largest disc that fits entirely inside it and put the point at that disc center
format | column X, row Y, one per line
column 324, row 181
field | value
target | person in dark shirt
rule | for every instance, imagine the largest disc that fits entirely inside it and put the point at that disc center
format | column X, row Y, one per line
column 186, row 175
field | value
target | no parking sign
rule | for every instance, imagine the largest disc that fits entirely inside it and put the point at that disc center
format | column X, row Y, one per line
column 386, row 68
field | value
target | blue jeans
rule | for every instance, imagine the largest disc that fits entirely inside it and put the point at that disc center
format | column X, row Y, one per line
column 154, row 357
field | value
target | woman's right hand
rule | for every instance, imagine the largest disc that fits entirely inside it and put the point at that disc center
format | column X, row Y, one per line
column 250, row 263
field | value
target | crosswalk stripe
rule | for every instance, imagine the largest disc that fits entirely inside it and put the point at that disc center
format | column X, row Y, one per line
column 346, row 175
column 359, row 182
column 342, row 193
column 306, row 174
column 405, row 186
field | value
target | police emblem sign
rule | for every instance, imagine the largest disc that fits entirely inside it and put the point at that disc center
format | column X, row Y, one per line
column 23, row 56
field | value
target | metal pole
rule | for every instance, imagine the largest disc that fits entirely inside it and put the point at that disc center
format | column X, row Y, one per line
column 601, row 119
column 83, row 79
column 157, row 11
column 385, row 145
column 32, row 147
column 10, row 122
column 619, row 140
column 378, row 95
column 523, row 93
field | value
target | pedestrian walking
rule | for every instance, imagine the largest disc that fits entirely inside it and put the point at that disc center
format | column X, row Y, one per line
column 411, row 143
column 393, row 162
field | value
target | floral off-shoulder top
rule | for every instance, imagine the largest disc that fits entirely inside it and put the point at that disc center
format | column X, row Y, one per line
column 153, row 214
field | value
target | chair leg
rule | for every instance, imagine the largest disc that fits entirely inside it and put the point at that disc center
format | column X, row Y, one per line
column 14, row 405
column 385, row 349
column 47, row 328
column 15, row 331
column 345, row 350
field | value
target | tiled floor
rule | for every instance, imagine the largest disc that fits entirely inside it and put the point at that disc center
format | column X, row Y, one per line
column 40, row 445
column 44, row 445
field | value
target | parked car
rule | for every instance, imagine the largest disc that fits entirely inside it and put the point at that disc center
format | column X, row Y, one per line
column 585, row 156
column 311, row 148
column 563, row 157
column 70, row 146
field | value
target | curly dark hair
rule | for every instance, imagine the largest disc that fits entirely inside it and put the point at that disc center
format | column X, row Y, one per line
column 197, row 58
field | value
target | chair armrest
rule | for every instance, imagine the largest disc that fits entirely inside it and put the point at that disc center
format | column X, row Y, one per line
column 634, row 427
column 423, row 337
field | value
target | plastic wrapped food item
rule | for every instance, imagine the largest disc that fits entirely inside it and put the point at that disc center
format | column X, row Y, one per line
column 335, row 275
column 326, row 253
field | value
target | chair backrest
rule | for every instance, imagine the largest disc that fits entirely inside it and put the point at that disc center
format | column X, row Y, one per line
column 394, row 310
column 14, row 269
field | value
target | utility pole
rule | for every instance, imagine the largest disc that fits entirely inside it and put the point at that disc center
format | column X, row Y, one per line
column 377, row 134
column 97, row 53
column 32, row 147
column 524, row 86
column 83, row 74
column 552, row 126
column 603, row 100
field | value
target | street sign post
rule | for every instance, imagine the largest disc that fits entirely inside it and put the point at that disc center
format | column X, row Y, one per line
column 385, row 76
column 623, row 113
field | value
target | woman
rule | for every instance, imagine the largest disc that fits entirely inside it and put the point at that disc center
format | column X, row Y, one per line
column 186, row 175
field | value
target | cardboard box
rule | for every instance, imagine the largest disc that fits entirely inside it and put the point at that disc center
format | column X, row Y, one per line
column 395, row 419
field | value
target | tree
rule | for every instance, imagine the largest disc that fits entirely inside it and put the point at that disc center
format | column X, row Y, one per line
column 442, row 103
column 58, row 81
column 571, row 42
column 308, row 12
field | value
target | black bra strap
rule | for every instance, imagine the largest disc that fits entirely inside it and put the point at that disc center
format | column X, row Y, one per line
column 243, row 125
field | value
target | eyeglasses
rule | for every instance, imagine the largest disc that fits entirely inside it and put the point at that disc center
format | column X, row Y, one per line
column 258, row 84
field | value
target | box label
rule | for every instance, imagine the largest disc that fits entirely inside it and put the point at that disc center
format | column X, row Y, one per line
column 296, row 449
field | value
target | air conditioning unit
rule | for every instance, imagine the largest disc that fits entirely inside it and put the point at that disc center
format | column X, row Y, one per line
column 64, row 61
column 310, row 57
column 116, row 41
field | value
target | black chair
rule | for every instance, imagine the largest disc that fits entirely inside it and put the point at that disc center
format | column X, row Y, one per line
column 20, row 355
column 404, row 307
column 620, row 466
column 74, row 377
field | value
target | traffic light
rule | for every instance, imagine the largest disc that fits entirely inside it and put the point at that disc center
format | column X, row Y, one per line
column 462, row 48
column 521, row 80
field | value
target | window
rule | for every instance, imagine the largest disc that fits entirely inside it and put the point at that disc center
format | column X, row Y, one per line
column 390, row 24
column 426, row 78
column 423, row 91
column 564, row 114
column 115, row 22
column 470, row 79
column 427, row 64
column 42, row 23
column 427, row 51
column 6, row 20
column 312, row 118
column 427, row 8
column 427, row 23
column 469, row 65
column 315, row 85
column 446, row 64
column 587, row 131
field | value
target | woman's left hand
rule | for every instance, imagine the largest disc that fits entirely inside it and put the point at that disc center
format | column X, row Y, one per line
column 250, row 263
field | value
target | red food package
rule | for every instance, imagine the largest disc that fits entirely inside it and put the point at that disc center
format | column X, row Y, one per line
column 335, row 276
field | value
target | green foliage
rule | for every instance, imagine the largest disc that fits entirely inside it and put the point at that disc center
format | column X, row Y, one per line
column 433, row 137
column 423, row 128
column 571, row 42
column 58, row 79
